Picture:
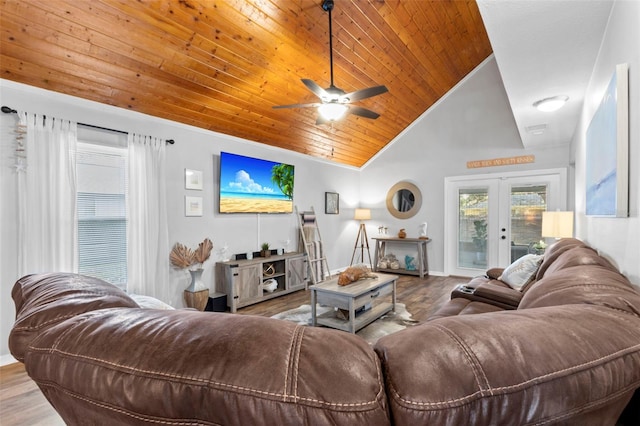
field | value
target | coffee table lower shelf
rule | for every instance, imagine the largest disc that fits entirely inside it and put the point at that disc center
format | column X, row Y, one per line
column 329, row 319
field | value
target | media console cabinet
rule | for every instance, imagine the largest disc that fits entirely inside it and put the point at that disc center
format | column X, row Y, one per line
column 245, row 281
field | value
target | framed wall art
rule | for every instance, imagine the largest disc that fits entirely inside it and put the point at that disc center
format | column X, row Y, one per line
column 331, row 203
column 192, row 206
column 607, row 151
column 192, row 179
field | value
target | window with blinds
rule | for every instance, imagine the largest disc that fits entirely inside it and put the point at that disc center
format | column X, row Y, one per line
column 102, row 212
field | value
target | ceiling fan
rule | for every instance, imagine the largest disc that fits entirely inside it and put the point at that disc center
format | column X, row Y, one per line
column 335, row 101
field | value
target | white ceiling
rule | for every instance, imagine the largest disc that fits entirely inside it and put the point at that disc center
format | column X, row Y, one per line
column 545, row 48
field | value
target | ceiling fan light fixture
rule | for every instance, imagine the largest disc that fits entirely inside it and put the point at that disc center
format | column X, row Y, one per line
column 335, row 101
column 551, row 104
column 332, row 111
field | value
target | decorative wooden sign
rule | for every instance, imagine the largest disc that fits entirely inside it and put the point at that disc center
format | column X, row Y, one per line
column 506, row 161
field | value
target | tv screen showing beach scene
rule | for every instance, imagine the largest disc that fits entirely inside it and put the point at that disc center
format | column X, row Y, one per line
column 253, row 185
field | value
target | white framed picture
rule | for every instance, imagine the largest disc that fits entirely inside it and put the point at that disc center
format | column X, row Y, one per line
column 193, row 179
column 192, row 206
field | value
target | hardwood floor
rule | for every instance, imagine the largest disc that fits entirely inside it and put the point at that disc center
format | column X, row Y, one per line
column 22, row 403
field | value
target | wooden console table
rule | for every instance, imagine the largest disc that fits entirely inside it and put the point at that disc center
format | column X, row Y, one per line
column 422, row 264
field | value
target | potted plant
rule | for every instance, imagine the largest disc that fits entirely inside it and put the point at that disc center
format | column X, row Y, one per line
column 265, row 252
column 480, row 238
column 539, row 247
column 183, row 257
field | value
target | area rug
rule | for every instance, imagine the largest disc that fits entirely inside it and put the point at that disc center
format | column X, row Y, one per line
column 387, row 324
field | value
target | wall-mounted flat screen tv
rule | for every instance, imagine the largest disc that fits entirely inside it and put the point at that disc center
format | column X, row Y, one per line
column 253, row 185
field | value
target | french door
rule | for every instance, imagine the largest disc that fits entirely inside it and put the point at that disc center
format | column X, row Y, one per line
column 492, row 220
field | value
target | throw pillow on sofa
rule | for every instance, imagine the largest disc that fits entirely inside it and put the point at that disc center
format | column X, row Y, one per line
column 148, row 302
column 522, row 271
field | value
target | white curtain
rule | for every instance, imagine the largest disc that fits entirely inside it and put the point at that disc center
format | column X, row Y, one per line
column 47, row 232
column 147, row 232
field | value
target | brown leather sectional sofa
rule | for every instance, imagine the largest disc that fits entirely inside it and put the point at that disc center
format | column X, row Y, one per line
column 568, row 352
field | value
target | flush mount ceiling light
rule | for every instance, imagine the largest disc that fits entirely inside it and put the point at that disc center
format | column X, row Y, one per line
column 551, row 104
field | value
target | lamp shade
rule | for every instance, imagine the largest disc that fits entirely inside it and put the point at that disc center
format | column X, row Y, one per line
column 362, row 214
column 557, row 224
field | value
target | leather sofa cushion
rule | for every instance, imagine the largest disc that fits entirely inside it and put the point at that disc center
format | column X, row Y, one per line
column 580, row 275
column 579, row 256
column 129, row 366
column 44, row 300
column 590, row 284
column 556, row 250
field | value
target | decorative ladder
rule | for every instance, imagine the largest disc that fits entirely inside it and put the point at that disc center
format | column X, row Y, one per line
column 313, row 246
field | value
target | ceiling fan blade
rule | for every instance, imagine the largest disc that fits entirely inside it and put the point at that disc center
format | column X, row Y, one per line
column 365, row 93
column 363, row 112
column 297, row 106
column 317, row 90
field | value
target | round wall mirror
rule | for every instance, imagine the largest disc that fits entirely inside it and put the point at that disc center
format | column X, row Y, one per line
column 404, row 200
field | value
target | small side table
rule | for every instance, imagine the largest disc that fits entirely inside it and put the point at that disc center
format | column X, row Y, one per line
column 422, row 267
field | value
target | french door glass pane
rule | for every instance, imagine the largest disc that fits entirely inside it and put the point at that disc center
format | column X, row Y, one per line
column 472, row 227
column 527, row 205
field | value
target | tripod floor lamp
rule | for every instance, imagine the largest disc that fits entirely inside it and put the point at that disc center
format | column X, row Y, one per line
column 362, row 241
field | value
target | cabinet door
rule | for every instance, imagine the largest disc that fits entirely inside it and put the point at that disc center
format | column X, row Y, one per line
column 247, row 284
column 296, row 272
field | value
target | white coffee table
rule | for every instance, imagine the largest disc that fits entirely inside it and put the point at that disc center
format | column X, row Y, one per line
column 370, row 291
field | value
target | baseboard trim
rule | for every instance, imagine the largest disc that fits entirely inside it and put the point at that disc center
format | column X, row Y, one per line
column 6, row 360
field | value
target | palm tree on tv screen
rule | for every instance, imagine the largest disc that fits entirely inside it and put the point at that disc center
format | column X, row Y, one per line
column 282, row 175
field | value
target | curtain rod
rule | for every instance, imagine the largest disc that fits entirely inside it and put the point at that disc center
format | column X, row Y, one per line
column 8, row 110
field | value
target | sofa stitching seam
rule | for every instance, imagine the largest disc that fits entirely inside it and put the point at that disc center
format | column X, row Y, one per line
column 123, row 411
column 299, row 331
column 206, row 382
column 287, row 366
column 576, row 368
column 587, row 406
column 473, row 360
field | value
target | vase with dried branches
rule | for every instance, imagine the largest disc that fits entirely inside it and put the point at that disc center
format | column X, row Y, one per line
column 182, row 257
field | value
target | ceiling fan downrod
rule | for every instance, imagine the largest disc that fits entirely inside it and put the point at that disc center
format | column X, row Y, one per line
column 327, row 5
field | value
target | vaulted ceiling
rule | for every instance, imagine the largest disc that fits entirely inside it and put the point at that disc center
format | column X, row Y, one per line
column 222, row 65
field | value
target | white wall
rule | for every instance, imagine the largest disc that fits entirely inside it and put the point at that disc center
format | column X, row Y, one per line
column 616, row 238
column 194, row 149
column 472, row 122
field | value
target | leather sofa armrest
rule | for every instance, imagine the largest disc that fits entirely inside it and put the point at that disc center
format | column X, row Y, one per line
column 494, row 273
column 493, row 292
column 498, row 293
column 515, row 367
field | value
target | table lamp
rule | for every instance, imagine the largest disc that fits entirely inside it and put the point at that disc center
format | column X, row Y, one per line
column 557, row 224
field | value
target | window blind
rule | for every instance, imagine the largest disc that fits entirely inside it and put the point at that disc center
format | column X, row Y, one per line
column 102, row 213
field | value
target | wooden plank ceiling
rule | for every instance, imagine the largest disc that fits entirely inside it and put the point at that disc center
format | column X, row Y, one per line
column 222, row 65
